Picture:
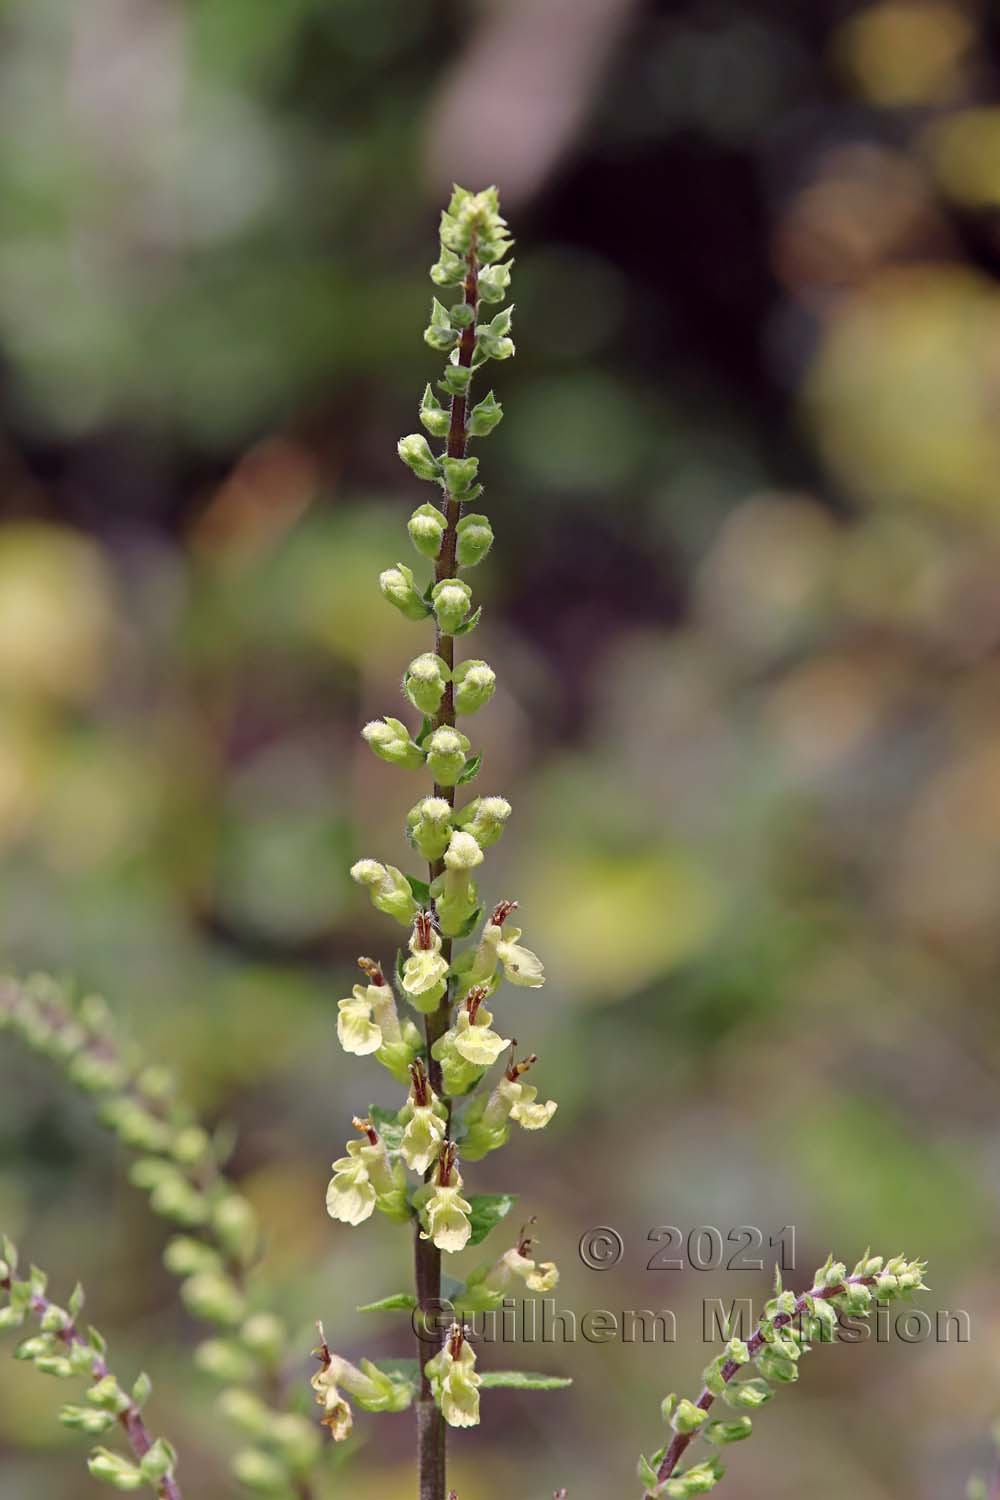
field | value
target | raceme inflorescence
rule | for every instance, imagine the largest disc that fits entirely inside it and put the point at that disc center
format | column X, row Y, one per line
column 465, row 1086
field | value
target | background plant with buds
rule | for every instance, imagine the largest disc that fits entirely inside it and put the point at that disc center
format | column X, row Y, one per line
column 782, row 1336
column 447, row 1047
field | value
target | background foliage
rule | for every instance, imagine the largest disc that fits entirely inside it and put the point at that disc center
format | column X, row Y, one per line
column 744, row 611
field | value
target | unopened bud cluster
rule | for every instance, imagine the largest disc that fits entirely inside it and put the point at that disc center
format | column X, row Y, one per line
column 59, row 1349
column 216, row 1239
column 789, row 1326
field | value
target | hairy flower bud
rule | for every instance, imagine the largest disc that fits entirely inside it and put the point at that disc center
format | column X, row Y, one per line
column 426, row 528
column 415, row 451
column 475, row 538
column 428, row 826
column 388, row 888
column 459, row 477
column 446, row 752
column 475, row 682
column 398, row 587
column 433, row 415
column 439, row 333
column 485, row 416
column 391, row 741
column 450, row 600
column 485, row 818
column 426, row 678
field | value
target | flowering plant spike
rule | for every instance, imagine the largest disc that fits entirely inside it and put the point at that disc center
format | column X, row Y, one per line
column 432, row 1028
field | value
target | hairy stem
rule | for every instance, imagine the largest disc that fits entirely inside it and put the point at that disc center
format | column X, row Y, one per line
column 130, row 1419
column 681, row 1440
column 431, row 1430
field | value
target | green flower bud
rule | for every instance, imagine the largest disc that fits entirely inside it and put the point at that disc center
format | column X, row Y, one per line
column 485, row 416
column 224, row 1360
column 459, row 476
column 391, row 741
column 426, row 527
column 175, row 1198
column 426, row 678
column 213, row 1298
column 107, row 1394
column 260, row 1472
column 190, row 1145
column 697, row 1480
column 388, row 888
column 775, row 1366
column 492, row 341
column 433, row 415
column 235, row 1225
column 114, row 1470
column 456, row 379
column 474, row 540
column 34, row 1348
column 747, row 1393
column 461, row 315
column 54, row 1319
column 265, row 1335
column 446, row 752
column 158, row 1462
column 55, row 1364
column 439, row 333
column 475, row 682
column 246, row 1411
column 428, row 827
column 451, row 599
column 493, row 282
column 398, row 587
column 85, row 1419
column 448, row 270
column 686, row 1416
column 485, row 818
column 186, row 1257
column 295, row 1439
column 415, row 451
column 729, row 1432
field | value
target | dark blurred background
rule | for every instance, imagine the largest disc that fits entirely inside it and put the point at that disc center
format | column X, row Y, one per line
column 743, row 605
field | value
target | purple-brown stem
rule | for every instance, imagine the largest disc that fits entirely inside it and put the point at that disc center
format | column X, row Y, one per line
column 431, row 1429
column 681, row 1440
column 130, row 1419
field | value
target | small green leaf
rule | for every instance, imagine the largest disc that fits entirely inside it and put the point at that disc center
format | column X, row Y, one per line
column 470, row 623
column 471, row 768
column 396, row 1302
column 425, row 729
column 421, row 890
column 471, row 923
column 487, row 1211
column 524, row 1380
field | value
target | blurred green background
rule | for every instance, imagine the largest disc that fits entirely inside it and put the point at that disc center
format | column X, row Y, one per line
column 743, row 605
